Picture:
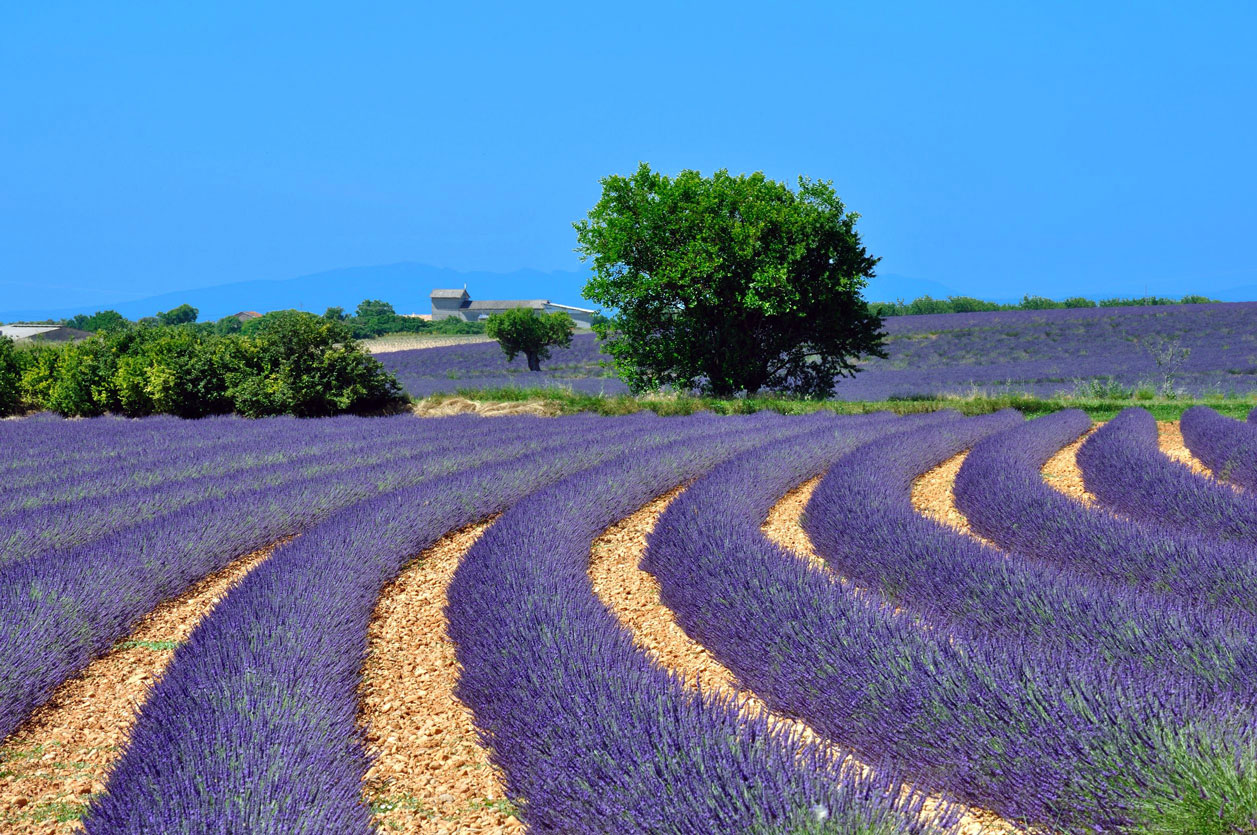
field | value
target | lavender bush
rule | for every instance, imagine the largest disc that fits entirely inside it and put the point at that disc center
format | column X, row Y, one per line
column 1227, row 447
column 1045, row 739
column 1002, row 493
column 590, row 735
column 862, row 522
column 1164, row 350
column 1123, row 466
column 285, row 755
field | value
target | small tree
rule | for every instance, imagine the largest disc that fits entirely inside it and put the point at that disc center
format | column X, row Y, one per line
column 101, row 320
column 728, row 284
column 521, row 331
column 184, row 314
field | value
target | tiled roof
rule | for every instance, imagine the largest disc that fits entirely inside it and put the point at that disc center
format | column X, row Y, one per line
column 448, row 294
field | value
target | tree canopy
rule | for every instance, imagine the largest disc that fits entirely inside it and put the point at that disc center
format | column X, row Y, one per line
column 523, row 331
column 286, row 362
column 101, row 320
column 728, row 284
column 184, row 314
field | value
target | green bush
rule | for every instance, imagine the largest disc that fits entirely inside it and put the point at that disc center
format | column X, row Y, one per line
column 305, row 365
column 10, row 377
column 284, row 363
column 967, row 304
column 101, row 320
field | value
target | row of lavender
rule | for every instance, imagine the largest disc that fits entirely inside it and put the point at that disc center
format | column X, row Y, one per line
column 1053, row 688
column 1046, row 690
column 62, row 606
column 253, row 729
column 1199, row 349
column 121, row 493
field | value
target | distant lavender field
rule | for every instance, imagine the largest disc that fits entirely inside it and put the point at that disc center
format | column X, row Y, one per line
column 1193, row 349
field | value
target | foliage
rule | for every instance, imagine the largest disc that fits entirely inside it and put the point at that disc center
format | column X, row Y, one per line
column 374, row 318
column 924, row 305
column 184, row 314
column 301, row 364
column 728, row 284
column 524, row 331
column 284, row 363
column 10, row 377
column 228, row 325
column 101, row 320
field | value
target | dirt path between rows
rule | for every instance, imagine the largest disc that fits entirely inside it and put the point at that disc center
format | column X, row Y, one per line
column 633, row 597
column 1062, row 472
column 430, row 775
column 59, row 758
column 1170, row 439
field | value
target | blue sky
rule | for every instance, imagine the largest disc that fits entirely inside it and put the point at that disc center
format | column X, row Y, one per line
column 998, row 148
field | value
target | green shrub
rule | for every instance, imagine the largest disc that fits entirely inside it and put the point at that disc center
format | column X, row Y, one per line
column 10, row 377
column 305, row 365
column 284, row 363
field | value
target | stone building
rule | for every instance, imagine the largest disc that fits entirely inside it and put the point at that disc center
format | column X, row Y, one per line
column 458, row 304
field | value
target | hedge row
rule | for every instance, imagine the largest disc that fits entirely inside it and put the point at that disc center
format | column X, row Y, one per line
column 285, row 363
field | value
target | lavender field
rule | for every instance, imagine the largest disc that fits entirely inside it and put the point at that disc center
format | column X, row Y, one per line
column 1085, row 667
column 1202, row 349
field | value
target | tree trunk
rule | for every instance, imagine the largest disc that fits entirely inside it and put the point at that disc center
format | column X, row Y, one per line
column 534, row 362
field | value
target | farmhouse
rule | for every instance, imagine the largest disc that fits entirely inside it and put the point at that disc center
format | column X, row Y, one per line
column 42, row 333
column 457, row 304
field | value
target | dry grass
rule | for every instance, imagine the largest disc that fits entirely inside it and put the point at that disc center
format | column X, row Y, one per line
column 409, row 341
column 445, row 406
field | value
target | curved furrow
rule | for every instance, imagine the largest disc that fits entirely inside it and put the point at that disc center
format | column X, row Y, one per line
column 254, row 728
column 429, row 773
column 1001, row 491
column 1173, row 446
column 1042, row 738
column 590, row 735
column 1062, row 473
column 1124, row 467
column 58, row 759
column 933, row 495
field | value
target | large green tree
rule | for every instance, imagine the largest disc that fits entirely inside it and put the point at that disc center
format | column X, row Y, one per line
column 728, row 284
column 522, row 331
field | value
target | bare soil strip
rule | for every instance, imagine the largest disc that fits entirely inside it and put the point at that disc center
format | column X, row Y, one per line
column 54, row 763
column 633, row 597
column 408, row 342
column 1170, row 439
column 933, row 495
column 1062, row 474
column 430, row 774
column 784, row 523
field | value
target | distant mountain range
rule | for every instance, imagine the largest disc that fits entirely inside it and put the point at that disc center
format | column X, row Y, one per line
column 406, row 286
